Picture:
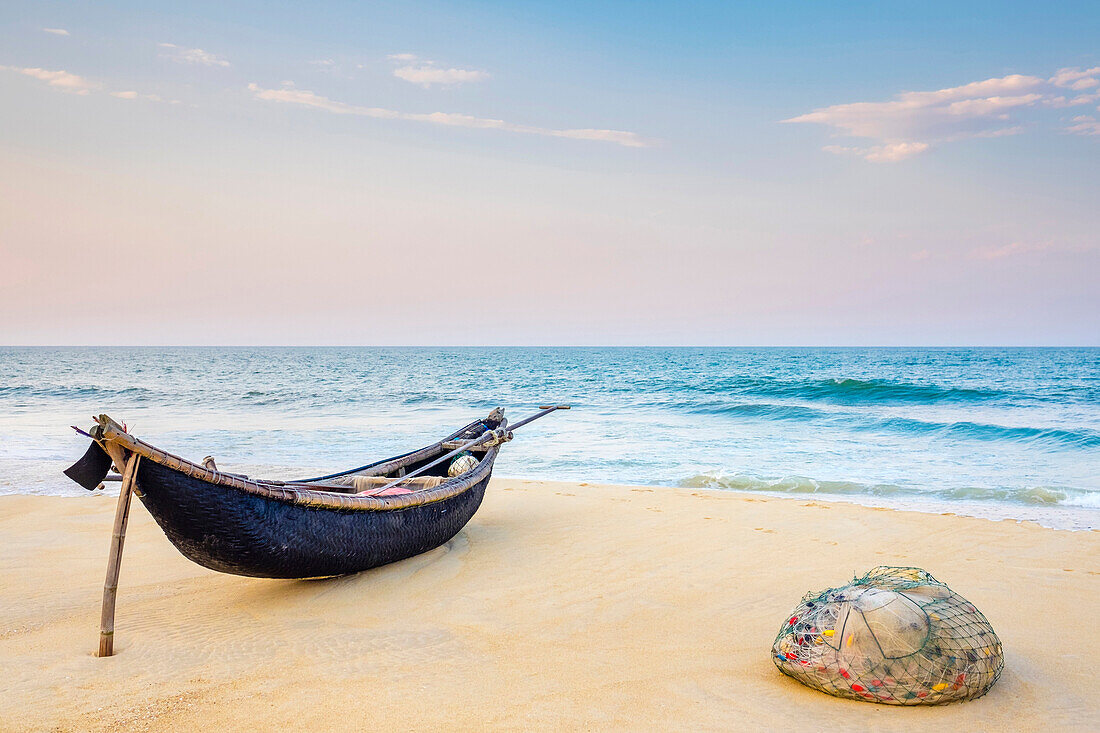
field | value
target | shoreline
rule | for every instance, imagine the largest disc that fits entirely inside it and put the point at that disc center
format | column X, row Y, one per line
column 561, row 605
column 1046, row 517
column 989, row 511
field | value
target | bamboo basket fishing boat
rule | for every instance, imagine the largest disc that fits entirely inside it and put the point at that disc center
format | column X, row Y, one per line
column 328, row 525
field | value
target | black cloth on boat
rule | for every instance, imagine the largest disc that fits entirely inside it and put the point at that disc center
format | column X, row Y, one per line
column 92, row 467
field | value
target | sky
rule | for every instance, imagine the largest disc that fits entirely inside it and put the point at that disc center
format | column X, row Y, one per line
column 573, row 173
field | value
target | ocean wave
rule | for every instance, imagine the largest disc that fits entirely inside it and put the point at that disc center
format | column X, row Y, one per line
column 769, row 410
column 1082, row 438
column 78, row 392
column 801, row 485
column 268, row 398
column 831, row 390
column 851, row 391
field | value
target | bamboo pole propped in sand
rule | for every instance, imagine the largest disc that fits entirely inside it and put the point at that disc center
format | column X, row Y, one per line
column 114, row 561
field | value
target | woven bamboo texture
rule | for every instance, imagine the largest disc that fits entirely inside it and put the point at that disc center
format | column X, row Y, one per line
column 274, row 529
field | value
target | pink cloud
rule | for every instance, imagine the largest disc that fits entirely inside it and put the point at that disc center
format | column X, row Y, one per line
column 912, row 122
column 305, row 98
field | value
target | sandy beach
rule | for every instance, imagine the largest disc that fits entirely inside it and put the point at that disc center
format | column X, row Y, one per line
column 560, row 606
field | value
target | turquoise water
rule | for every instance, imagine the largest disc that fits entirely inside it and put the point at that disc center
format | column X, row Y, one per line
column 994, row 432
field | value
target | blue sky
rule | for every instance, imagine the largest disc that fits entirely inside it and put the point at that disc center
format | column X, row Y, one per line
column 617, row 173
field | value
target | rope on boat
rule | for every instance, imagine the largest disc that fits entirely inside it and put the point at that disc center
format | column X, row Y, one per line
column 489, row 438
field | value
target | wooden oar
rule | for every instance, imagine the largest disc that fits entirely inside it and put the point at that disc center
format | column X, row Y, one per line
column 499, row 435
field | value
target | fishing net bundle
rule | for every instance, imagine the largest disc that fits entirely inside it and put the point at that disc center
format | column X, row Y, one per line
column 895, row 636
column 461, row 464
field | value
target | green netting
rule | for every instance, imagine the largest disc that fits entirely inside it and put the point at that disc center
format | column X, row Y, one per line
column 895, row 636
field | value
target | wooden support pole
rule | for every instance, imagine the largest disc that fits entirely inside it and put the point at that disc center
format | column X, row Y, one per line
column 114, row 562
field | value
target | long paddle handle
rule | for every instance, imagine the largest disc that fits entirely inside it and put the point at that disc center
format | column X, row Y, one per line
column 543, row 410
column 501, row 434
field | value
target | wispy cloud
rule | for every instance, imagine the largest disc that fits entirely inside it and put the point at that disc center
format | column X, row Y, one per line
column 193, row 55
column 426, row 76
column 67, row 82
column 426, row 73
column 1020, row 249
column 880, row 153
column 302, row 97
column 62, row 80
column 912, row 122
column 1076, row 101
column 56, row 31
column 1012, row 249
column 1077, row 79
column 130, row 94
column 1084, row 125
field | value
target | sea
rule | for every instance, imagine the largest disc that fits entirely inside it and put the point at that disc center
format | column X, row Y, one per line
column 1002, row 433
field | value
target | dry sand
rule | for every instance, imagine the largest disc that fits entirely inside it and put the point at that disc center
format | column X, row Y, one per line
column 560, row 606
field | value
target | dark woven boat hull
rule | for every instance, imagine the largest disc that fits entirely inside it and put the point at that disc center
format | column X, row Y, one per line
column 236, row 532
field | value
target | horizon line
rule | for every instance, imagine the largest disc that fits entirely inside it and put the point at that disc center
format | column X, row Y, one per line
column 551, row 346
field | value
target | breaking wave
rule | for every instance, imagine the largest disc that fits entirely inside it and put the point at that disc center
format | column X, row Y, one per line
column 801, row 485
